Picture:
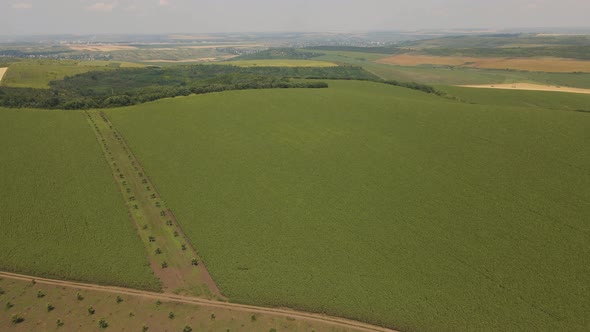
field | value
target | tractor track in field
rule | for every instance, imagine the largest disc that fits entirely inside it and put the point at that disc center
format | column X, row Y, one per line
column 202, row 302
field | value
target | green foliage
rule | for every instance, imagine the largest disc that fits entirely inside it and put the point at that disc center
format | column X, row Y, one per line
column 171, row 315
column 379, row 203
column 59, row 323
column 79, row 296
column 50, row 307
column 40, row 294
column 57, row 195
column 9, row 305
column 131, row 86
column 91, row 310
column 103, row 323
column 119, row 299
column 187, row 328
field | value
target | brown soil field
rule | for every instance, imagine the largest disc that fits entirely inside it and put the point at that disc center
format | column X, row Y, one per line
column 101, row 47
column 225, row 57
column 2, row 72
column 548, row 64
column 20, row 296
column 528, row 86
column 199, row 47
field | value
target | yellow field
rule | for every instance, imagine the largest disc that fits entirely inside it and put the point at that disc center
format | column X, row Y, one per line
column 2, row 72
column 548, row 64
column 281, row 63
column 529, row 86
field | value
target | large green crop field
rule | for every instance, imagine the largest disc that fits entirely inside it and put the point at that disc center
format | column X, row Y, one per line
column 380, row 203
column 61, row 214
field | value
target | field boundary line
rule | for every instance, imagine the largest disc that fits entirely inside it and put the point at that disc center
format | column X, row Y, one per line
column 202, row 302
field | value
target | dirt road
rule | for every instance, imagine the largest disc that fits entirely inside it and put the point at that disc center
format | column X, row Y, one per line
column 202, row 302
column 529, row 87
column 2, row 72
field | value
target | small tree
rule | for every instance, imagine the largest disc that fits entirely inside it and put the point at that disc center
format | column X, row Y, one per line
column 253, row 318
column 183, row 247
column 119, row 299
column 194, row 262
column 50, row 307
column 212, row 316
column 91, row 310
column 9, row 305
column 59, row 323
column 158, row 251
column 187, row 328
column 103, row 324
column 164, row 265
column 40, row 294
column 144, row 328
column 171, row 315
column 79, row 296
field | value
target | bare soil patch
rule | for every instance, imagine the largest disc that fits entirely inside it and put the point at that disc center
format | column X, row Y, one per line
column 547, row 64
column 139, row 308
column 199, row 47
column 101, row 47
column 529, row 87
column 2, row 72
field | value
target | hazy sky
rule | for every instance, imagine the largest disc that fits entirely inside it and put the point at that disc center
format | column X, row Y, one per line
column 149, row 16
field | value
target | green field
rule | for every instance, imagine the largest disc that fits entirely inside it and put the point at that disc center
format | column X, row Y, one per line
column 38, row 73
column 279, row 63
column 61, row 213
column 380, row 203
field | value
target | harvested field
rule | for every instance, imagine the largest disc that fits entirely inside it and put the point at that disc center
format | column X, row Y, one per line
column 2, row 72
column 529, row 87
column 101, row 47
column 224, row 45
column 208, row 59
column 548, row 64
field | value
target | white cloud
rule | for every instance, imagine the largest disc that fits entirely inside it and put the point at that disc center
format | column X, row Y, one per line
column 22, row 5
column 164, row 2
column 102, row 7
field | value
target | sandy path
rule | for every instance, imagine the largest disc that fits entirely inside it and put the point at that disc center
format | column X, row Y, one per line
column 529, row 87
column 202, row 302
column 2, row 72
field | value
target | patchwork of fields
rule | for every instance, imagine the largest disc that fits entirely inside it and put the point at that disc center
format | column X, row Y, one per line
column 555, row 65
column 380, row 203
column 61, row 213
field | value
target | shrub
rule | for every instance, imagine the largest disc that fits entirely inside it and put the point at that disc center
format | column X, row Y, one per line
column 40, row 294
column 171, row 315
column 59, row 323
column 91, row 310
column 79, row 296
column 17, row 319
column 119, row 299
column 103, row 324
column 50, row 307
column 187, row 328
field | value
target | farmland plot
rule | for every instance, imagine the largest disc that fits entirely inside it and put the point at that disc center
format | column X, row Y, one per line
column 380, row 203
column 60, row 212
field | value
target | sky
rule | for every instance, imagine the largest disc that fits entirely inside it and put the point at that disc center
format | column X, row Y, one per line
column 22, row 17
